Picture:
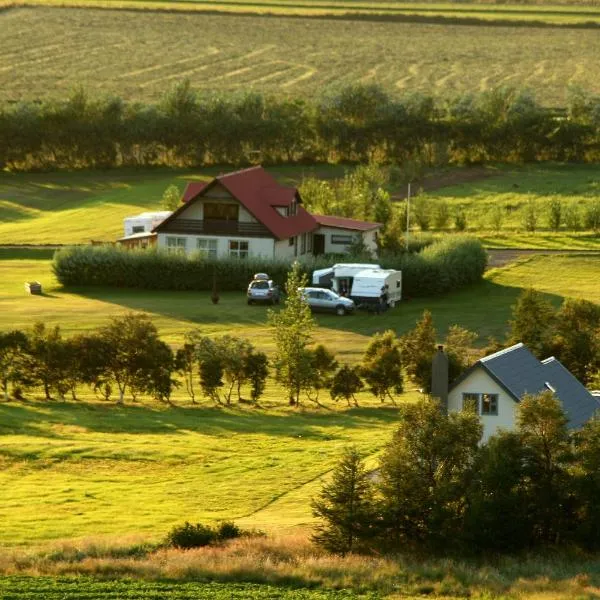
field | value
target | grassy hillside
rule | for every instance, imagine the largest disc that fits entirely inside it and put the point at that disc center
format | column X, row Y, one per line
column 293, row 56
column 73, row 208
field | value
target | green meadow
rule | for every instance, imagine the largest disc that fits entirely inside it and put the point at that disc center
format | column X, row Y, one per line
column 75, row 208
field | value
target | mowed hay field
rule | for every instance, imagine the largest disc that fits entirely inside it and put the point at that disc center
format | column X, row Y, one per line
column 138, row 55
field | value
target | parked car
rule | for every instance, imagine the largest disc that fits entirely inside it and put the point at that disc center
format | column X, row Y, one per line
column 262, row 289
column 320, row 299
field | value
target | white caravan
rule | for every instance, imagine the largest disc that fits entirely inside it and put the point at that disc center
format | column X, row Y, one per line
column 367, row 284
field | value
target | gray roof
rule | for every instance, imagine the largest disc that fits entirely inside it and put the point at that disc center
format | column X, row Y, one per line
column 519, row 372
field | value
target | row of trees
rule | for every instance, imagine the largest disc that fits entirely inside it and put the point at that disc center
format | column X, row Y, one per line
column 353, row 124
column 437, row 489
column 361, row 194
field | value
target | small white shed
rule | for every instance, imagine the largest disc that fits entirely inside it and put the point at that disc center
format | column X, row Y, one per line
column 144, row 222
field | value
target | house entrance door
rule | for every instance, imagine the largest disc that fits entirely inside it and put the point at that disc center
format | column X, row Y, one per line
column 318, row 244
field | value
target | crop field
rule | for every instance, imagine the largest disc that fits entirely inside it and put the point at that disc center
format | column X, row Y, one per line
column 298, row 57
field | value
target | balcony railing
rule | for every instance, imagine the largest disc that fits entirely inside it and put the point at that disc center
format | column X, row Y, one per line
column 216, row 227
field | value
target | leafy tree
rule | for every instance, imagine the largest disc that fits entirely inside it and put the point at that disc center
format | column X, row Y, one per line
column 381, row 366
column 498, row 489
column 592, row 215
column 532, row 322
column 211, row 377
column 441, row 214
column 555, row 213
column 346, row 383
column 530, row 216
column 234, row 352
column 156, row 376
column 185, row 363
column 587, row 474
column 421, row 213
column 418, row 348
column 323, row 367
column 497, row 217
column 458, row 344
column 424, row 474
column 132, row 339
column 542, row 426
column 346, row 507
column 46, row 361
column 576, row 339
column 256, row 371
column 13, row 345
column 171, row 198
column 572, row 217
column 460, row 220
column 93, row 355
column 293, row 327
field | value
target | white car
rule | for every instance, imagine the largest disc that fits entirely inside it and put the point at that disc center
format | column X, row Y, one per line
column 320, row 299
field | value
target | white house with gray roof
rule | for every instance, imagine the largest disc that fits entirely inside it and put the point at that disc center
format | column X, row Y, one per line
column 496, row 384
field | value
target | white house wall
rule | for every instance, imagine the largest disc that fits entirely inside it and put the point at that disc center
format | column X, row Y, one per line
column 257, row 247
column 479, row 382
column 283, row 250
column 369, row 239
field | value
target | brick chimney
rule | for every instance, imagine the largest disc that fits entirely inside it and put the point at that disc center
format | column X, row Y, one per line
column 439, row 377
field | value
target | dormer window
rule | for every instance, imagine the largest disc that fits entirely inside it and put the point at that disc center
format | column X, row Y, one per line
column 291, row 210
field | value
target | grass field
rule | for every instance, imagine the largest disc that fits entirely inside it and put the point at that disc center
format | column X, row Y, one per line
column 293, row 56
column 73, row 208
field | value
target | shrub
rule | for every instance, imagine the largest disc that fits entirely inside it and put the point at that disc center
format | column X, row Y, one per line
column 189, row 535
column 460, row 220
column 592, row 216
column 227, row 530
column 441, row 266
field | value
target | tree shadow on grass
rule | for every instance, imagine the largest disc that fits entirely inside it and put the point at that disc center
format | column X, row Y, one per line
column 485, row 308
column 38, row 419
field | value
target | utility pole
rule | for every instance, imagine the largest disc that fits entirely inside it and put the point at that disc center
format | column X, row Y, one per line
column 407, row 215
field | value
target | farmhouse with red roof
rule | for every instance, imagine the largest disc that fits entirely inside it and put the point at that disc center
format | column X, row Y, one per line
column 248, row 213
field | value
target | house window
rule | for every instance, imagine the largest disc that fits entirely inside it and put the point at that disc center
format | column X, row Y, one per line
column 342, row 240
column 220, row 212
column 138, row 229
column 207, row 248
column 489, row 404
column 470, row 402
column 238, row 249
column 176, row 244
column 291, row 241
column 309, row 242
column 303, row 244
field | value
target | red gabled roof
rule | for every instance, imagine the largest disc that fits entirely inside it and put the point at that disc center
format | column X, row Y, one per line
column 260, row 194
column 345, row 223
column 192, row 189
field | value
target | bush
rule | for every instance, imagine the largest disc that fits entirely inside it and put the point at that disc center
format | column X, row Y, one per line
column 441, row 266
column 227, row 530
column 191, row 536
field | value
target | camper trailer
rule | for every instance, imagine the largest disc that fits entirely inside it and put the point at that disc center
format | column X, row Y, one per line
column 368, row 285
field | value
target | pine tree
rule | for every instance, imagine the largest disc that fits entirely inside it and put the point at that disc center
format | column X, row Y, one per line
column 532, row 322
column 345, row 507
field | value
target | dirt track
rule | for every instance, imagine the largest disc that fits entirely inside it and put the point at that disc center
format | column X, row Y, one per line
column 499, row 258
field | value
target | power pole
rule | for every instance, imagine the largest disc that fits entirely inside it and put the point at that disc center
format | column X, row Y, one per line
column 407, row 215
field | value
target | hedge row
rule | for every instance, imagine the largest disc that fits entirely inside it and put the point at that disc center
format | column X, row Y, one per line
column 446, row 265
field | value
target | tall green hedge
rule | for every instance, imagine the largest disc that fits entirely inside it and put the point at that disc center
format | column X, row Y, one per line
column 446, row 265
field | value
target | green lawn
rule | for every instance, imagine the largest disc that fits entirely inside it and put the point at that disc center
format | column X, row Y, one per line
column 258, row 466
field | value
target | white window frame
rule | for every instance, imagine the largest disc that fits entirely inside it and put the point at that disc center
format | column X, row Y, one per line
column 176, row 244
column 210, row 249
column 238, row 252
column 492, row 404
column 336, row 237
